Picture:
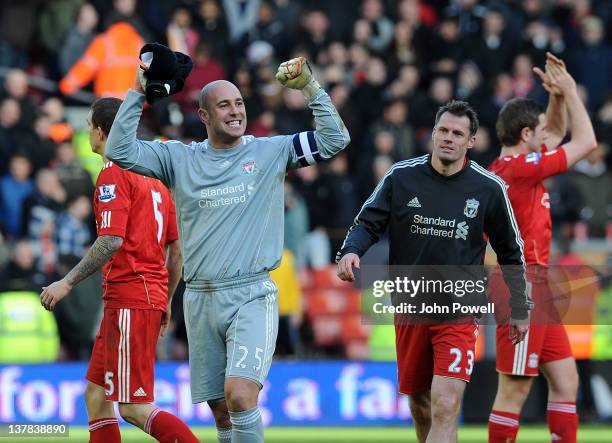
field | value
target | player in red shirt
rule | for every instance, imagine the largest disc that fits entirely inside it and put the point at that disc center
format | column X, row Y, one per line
column 524, row 132
column 137, row 233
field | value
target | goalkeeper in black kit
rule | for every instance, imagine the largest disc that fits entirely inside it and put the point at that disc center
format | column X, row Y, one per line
column 438, row 208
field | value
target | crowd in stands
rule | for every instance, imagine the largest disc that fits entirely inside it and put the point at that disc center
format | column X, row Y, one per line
column 387, row 64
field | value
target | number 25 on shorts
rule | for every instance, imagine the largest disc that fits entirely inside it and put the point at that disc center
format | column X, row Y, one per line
column 245, row 352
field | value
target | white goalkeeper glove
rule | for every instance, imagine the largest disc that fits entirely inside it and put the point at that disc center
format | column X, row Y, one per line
column 297, row 74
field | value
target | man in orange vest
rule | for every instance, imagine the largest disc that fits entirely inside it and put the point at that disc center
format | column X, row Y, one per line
column 110, row 60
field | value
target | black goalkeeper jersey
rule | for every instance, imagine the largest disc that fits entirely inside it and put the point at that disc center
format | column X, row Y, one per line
column 438, row 220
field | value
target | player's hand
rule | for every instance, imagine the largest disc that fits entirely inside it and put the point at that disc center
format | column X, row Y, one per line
column 345, row 266
column 141, row 82
column 518, row 330
column 550, row 82
column 54, row 293
column 165, row 321
column 558, row 75
column 297, row 74
column 547, row 82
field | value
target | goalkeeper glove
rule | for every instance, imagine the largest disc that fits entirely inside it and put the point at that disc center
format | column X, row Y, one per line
column 297, row 74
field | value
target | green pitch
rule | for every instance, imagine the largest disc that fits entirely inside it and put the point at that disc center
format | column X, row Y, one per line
column 467, row 434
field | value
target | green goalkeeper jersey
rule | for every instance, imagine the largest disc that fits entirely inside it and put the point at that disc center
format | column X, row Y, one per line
column 230, row 203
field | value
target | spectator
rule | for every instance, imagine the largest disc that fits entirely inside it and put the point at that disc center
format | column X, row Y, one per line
column 336, row 60
column 22, row 273
column 110, row 61
column 72, row 234
column 212, row 28
column 394, row 122
column 205, row 70
column 263, row 126
column 523, row 83
column 77, row 318
column 41, row 208
column 314, row 36
column 368, row 92
column 296, row 222
column 243, row 79
column 60, row 130
column 380, row 166
column 593, row 51
column 385, row 148
column 446, row 49
column 493, row 49
column 38, row 143
column 483, row 151
column 594, row 181
column 54, row 22
column 289, row 305
column 11, row 133
column 565, row 204
column 288, row 13
column 17, row 28
column 270, row 29
column 470, row 14
column 241, row 17
column 531, row 10
column 603, row 124
column 342, row 100
column 469, row 84
column 440, row 91
column 541, row 38
column 16, row 86
column 416, row 13
column 78, row 38
column 341, row 200
column 380, row 28
column 403, row 51
column 410, row 79
column 420, row 18
column 125, row 11
column 15, row 187
column 293, row 115
column 73, row 177
column 180, row 34
column 317, row 250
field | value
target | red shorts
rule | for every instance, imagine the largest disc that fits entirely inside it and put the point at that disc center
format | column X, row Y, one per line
column 427, row 350
column 123, row 356
column 542, row 344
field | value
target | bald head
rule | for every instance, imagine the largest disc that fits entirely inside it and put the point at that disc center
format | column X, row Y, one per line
column 215, row 88
column 222, row 111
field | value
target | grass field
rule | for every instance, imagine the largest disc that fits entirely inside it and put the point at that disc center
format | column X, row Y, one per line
column 467, row 434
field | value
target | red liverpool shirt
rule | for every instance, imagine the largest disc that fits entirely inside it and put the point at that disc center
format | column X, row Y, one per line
column 524, row 175
column 141, row 211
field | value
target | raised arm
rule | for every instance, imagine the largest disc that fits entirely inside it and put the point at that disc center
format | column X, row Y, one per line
column 583, row 139
column 556, row 120
column 150, row 158
column 331, row 135
column 556, row 112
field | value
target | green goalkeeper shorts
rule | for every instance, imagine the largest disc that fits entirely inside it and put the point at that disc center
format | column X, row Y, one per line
column 232, row 327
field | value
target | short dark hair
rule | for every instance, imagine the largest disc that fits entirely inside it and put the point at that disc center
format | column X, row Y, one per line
column 103, row 112
column 515, row 115
column 460, row 109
